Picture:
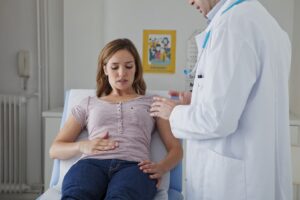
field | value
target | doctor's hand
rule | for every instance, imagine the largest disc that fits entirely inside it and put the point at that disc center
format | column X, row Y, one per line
column 97, row 145
column 162, row 107
column 155, row 170
column 184, row 97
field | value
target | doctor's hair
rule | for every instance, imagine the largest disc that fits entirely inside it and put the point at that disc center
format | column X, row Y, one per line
column 103, row 86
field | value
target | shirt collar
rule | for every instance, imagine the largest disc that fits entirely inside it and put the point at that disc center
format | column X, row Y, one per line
column 210, row 15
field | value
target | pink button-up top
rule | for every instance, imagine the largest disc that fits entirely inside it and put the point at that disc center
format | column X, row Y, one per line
column 127, row 122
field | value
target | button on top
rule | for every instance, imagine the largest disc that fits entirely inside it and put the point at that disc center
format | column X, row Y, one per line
column 119, row 117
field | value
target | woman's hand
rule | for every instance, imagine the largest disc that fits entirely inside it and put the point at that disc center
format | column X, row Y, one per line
column 155, row 170
column 97, row 145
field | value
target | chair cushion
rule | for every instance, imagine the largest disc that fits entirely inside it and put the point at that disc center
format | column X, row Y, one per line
column 51, row 194
column 158, row 150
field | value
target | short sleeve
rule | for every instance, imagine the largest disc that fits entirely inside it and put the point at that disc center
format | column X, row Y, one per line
column 80, row 112
column 149, row 99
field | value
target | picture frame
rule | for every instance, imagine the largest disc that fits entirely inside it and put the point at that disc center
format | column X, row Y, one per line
column 159, row 51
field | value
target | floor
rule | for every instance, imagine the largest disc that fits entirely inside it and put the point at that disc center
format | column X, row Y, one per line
column 26, row 196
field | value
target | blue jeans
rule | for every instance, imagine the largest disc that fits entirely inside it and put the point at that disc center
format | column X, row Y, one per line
column 93, row 179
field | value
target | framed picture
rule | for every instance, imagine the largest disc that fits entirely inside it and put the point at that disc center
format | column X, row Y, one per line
column 159, row 50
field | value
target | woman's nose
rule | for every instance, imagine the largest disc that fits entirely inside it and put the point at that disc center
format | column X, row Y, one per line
column 122, row 71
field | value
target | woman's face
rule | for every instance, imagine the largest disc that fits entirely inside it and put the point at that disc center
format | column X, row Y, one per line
column 120, row 70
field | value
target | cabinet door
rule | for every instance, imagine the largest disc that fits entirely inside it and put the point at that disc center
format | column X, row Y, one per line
column 296, row 171
column 295, row 142
column 295, row 136
column 51, row 129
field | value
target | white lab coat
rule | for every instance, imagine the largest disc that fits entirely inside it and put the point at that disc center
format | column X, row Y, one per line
column 237, row 125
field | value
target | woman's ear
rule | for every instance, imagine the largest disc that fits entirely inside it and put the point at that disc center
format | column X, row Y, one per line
column 105, row 70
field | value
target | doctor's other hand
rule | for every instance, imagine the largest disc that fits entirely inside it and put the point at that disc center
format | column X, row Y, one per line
column 184, row 97
column 162, row 107
column 97, row 145
column 155, row 170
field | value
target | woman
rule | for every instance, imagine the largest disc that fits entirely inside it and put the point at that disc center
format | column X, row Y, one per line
column 115, row 160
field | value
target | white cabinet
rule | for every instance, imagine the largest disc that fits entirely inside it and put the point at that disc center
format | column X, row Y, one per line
column 52, row 120
column 295, row 142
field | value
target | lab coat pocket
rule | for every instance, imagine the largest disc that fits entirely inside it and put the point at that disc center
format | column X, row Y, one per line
column 199, row 82
column 224, row 177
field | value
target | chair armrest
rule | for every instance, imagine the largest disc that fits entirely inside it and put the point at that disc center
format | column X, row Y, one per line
column 55, row 173
column 176, row 177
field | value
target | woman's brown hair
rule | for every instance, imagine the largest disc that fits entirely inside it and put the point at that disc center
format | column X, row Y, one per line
column 103, row 86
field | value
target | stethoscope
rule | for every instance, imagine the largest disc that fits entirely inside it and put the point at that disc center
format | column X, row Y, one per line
column 189, row 72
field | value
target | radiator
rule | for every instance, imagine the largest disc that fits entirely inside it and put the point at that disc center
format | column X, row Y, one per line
column 13, row 144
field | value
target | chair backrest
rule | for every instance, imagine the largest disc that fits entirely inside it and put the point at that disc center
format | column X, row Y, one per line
column 171, row 181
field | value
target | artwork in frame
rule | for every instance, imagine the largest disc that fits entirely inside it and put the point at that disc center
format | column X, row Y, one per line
column 159, row 49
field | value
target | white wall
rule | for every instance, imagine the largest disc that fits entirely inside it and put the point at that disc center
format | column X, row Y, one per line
column 18, row 31
column 55, row 53
column 88, row 26
column 295, row 71
column 127, row 18
column 83, row 27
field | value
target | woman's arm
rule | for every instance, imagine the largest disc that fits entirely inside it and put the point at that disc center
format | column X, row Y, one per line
column 65, row 146
column 173, row 156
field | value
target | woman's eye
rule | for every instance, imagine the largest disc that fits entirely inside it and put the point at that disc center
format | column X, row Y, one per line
column 129, row 66
column 114, row 67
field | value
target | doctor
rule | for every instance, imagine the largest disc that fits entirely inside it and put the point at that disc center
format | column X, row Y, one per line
column 236, row 121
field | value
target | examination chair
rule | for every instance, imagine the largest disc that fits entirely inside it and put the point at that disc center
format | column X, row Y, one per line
column 171, row 185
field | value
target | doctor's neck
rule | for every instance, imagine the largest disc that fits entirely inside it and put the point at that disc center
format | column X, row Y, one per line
column 211, row 4
column 211, row 7
column 205, row 6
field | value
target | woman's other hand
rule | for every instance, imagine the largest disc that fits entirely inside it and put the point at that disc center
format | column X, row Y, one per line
column 156, row 170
